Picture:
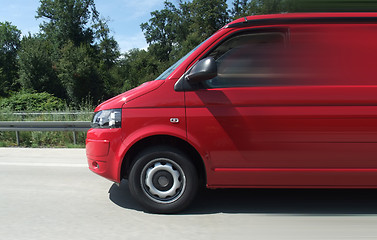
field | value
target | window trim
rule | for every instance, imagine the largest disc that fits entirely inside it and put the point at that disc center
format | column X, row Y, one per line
column 283, row 30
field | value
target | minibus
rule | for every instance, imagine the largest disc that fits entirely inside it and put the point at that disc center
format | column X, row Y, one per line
column 270, row 101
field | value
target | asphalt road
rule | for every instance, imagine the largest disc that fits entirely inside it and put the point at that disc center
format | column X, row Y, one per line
column 51, row 194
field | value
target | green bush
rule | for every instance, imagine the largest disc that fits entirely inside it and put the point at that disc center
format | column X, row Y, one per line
column 32, row 102
column 42, row 139
column 48, row 108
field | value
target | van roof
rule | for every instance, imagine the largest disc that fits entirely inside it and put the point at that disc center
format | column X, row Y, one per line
column 299, row 18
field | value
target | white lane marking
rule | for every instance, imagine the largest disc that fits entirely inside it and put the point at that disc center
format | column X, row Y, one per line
column 43, row 164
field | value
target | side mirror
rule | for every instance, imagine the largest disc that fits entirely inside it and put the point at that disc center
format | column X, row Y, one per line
column 205, row 69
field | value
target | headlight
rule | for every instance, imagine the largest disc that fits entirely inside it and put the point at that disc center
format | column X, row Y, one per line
column 107, row 119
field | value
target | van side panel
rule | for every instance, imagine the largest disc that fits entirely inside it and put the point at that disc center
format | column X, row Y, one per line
column 319, row 130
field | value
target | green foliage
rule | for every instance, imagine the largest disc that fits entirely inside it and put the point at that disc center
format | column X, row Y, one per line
column 75, row 58
column 38, row 71
column 43, row 139
column 32, row 102
column 84, row 54
column 78, row 72
column 207, row 16
column 68, row 20
column 108, row 54
column 333, row 5
column 239, row 9
column 161, row 31
column 9, row 44
column 132, row 63
column 242, row 8
column 175, row 30
column 46, row 139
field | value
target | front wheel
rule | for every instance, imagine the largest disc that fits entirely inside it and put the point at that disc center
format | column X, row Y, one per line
column 163, row 180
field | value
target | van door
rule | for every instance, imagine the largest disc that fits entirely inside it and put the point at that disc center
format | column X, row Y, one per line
column 260, row 126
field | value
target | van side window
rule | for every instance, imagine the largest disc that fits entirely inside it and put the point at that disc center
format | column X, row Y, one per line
column 247, row 60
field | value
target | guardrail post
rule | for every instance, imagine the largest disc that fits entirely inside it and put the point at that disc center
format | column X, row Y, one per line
column 18, row 138
column 74, row 138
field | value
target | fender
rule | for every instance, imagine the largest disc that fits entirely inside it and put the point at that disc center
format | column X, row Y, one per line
column 142, row 133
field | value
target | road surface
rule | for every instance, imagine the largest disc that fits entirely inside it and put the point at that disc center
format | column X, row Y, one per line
column 51, row 194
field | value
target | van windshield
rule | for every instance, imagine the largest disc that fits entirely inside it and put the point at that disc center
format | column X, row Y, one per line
column 168, row 71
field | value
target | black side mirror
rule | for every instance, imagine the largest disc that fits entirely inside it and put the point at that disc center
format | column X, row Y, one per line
column 205, row 69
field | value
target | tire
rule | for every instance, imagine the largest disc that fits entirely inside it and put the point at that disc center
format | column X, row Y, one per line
column 163, row 180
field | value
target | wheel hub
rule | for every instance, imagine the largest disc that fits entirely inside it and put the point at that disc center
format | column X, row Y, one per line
column 163, row 182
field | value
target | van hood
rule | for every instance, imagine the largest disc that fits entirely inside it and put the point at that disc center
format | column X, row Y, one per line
column 121, row 99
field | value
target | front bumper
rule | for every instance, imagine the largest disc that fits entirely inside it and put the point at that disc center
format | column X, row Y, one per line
column 102, row 151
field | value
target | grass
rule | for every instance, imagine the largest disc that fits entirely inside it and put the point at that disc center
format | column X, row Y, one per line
column 45, row 139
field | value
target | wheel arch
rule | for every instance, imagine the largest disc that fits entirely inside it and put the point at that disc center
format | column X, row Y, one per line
column 166, row 140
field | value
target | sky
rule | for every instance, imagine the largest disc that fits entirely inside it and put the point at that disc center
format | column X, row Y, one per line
column 125, row 17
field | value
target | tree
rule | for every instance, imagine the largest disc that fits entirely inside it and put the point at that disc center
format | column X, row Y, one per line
column 108, row 49
column 9, row 45
column 243, row 8
column 38, row 71
column 175, row 30
column 108, row 55
column 161, row 31
column 240, row 9
column 208, row 16
column 67, row 20
column 332, row 5
column 84, row 51
column 130, row 68
column 78, row 73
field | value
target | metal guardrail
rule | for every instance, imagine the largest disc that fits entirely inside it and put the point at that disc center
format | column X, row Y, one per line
column 17, row 126
column 46, row 113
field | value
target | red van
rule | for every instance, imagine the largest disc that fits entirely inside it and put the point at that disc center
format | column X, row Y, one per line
column 273, row 101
